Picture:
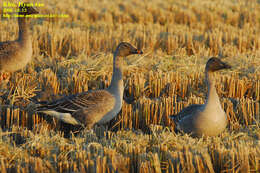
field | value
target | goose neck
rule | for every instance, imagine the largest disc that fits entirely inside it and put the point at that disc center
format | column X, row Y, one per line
column 212, row 96
column 24, row 30
column 117, row 86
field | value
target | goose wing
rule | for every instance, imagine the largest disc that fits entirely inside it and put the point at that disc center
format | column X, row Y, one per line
column 73, row 103
column 7, row 49
column 86, row 108
column 186, row 112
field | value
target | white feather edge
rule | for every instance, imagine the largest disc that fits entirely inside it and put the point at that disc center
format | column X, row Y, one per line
column 65, row 117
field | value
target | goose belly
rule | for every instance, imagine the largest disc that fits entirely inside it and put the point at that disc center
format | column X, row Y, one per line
column 211, row 123
column 17, row 59
column 23, row 59
column 111, row 114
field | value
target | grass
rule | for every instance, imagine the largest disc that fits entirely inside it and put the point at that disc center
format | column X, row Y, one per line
column 74, row 54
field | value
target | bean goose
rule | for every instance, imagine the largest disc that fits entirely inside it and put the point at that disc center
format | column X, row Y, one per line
column 94, row 107
column 14, row 55
column 208, row 119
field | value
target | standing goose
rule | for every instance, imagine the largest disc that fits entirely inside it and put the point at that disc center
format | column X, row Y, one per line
column 94, row 107
column 14, row 55
column 208, row 119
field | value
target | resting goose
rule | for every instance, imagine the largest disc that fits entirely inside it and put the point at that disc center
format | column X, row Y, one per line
column 94, row 107
column 208, row 119
column 14, row 55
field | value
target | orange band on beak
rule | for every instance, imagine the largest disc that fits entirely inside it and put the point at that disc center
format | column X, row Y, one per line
column 139, row 52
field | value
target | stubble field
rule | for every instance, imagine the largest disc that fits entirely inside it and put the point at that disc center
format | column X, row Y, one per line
column 74, row 54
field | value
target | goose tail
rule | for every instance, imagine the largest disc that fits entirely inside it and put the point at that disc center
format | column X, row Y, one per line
column 175, row 119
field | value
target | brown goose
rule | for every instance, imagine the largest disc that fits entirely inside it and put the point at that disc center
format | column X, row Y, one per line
column 94, row 107
column 208, row 119
column 14, row 55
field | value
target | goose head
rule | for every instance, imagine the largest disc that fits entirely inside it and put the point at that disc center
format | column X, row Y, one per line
column 215, row 64
column 27, row 9
column 124, row 49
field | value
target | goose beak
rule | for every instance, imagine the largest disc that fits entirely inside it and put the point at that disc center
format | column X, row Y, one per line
column 226, row 66
column 137, row 51
column 30, row 10
column 33, row 11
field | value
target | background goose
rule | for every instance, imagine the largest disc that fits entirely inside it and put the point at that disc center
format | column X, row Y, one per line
column 208, row 119
column 14, row 55
column 99, row 106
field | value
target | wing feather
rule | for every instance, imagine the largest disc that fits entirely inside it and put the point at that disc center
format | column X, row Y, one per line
column 7, row 48
column 87, row 107
column 188, row 111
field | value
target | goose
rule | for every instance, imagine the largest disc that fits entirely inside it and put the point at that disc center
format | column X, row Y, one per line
column 93, row 107
column 14, row 55
column 207, row 119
